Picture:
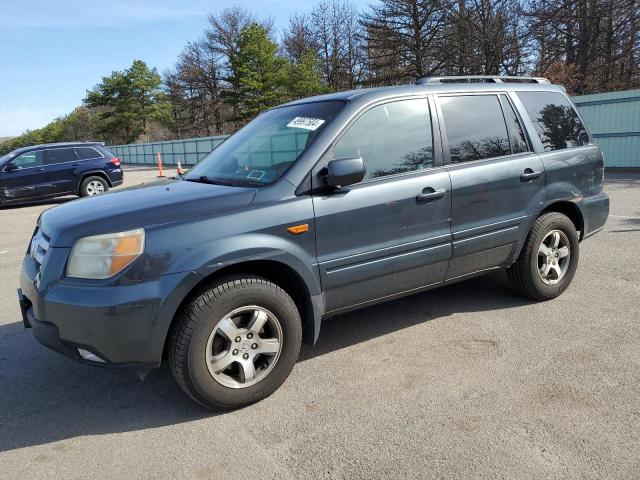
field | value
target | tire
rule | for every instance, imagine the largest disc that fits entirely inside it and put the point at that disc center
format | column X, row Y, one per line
column 93, row 185
column 527, row 275
column 201, row 336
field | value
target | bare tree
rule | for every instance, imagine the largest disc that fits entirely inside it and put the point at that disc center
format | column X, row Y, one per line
column 407, row 36
column 298, row 38
column 336, row 33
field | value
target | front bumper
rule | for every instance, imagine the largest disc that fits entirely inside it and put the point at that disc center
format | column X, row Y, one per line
column 46, row 333
column 123, row 323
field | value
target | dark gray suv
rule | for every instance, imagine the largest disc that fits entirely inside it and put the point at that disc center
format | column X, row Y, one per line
column 315, row 208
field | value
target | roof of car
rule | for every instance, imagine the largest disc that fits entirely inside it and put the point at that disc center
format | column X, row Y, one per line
column 54, row 145
column 380, row 93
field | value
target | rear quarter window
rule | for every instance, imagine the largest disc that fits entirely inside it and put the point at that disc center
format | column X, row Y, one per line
column 555, row 119
column 86, row 153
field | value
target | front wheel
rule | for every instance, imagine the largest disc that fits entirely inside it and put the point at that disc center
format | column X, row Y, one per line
column 548, row 260
column 236, row 342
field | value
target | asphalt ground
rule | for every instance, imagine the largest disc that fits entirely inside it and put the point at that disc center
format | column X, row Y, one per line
column 466, row 381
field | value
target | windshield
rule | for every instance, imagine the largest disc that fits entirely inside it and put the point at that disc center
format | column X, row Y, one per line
column 260, row 153
column 7, row 157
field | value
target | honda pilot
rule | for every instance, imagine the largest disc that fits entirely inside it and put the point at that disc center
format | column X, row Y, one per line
column 315, row 208
column 57, row 169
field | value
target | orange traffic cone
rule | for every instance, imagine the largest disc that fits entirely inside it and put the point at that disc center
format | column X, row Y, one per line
column 160, row 173
column 180, row 172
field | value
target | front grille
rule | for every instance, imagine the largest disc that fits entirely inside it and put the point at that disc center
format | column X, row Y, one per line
column 39, row 246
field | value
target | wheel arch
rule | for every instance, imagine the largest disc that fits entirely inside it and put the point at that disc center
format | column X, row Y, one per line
column 92, row 173
column 571, row 210
column 275, row 271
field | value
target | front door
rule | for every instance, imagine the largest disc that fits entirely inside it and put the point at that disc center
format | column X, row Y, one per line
column 23, row 176
column 497, row 180
column 390, row 233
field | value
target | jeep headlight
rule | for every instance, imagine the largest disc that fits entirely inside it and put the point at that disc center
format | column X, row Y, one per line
column 102, row 256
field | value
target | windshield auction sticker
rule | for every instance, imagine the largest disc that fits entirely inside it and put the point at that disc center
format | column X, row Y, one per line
column 307, row 123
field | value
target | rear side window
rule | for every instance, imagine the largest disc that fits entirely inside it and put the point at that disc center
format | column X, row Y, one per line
column 555, row 119
column 59, row 155
column 391, row 138
column 475, row 127
column 86, row 153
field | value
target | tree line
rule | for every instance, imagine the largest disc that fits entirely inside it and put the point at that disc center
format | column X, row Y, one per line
column 242, row 65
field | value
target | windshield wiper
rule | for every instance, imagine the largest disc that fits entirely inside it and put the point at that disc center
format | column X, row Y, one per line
column 209, row 180
column 237, row 182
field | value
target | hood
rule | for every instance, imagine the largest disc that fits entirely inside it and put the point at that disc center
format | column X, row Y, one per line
column 141, row 206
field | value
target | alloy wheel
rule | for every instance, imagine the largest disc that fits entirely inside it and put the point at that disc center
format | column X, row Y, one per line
column 244, row 346
column 95, row 188
column 554, row 255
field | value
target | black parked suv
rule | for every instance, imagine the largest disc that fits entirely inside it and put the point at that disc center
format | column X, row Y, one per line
column 317, row 207
column 57, row 169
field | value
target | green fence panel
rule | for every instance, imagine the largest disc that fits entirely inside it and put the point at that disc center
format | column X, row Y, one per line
column 188, row 151
column 613, row 119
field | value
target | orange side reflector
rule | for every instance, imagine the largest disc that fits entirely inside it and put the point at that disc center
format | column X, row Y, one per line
column 298, row 229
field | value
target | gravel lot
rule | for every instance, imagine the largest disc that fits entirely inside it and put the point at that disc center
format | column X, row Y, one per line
column 464, row 381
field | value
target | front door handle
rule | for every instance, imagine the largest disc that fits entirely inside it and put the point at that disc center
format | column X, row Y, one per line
column 529, row 175
column 430, row 194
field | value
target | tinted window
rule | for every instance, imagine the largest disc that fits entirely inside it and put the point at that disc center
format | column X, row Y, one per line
column 29, row 160
column 59, row 155
column 555, row 120
column 85, row 153
column 475, row 127
column 516, row 134
column 391, row 138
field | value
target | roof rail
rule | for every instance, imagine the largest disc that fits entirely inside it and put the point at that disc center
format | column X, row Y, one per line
column 482, row 79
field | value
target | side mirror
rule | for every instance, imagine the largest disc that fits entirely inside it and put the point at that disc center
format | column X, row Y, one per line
column 345, row 171
column 12, row 167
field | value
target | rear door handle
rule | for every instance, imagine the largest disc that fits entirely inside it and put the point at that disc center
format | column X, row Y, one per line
column 529, row 175
column 430, row 194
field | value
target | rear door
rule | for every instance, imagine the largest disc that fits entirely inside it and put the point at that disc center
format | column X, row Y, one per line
column 60, row 164
column 388, row 234
column 497, row 180
column 23, row 177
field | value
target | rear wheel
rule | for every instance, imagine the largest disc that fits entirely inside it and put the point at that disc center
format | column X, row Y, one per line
column 93, row 186
column 548, row 260
column 235, row 343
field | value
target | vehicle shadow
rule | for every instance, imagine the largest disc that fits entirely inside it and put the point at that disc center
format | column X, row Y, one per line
column 35, row 203
column 45, row 397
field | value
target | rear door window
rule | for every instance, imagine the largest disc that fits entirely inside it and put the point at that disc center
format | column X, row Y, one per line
column 475, row 127
column 517, row 137
column 555, row 120
column 59, row 155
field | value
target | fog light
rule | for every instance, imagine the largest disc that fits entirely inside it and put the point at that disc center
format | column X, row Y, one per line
column 92, row 357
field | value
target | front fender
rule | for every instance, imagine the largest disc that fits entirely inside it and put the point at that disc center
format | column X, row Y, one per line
column 226, row 252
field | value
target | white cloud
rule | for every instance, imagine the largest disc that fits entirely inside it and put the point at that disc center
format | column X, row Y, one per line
column 17, row 120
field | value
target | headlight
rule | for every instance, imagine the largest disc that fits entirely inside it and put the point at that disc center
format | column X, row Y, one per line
column 102, row 256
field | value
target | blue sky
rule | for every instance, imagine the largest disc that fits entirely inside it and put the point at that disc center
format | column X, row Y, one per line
column 52, row 51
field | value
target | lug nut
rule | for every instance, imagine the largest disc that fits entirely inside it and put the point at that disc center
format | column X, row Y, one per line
column 235, row 352
column 245, row 356
column 249, row 335
column 238, row 339
column 254, row 346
